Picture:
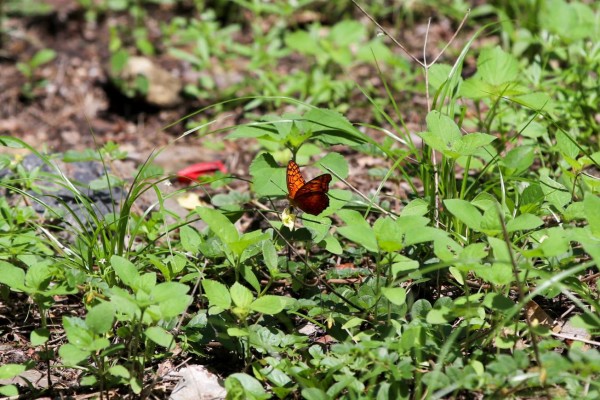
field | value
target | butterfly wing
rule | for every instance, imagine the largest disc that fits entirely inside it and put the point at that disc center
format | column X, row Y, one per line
column 312, row 196
column 294, row 179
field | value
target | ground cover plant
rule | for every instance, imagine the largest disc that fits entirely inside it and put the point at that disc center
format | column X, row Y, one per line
column 414, row 218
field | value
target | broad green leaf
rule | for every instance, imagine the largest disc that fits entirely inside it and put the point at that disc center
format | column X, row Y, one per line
column 519, row 159
column 357, row 230
column 217, row 294
column 252, row 387
column 439, row 74
column 168, row 290
column 531, row 199
column 332, row 245
column 465, row 212
column 241, row 296
column 591, row 207
column 499, row 273
column 100, row 318
column 396, row 295
column 338, row 198
column 125, row 270
column 439, row 316
column 9, row 391
column 124, row 302
column 270, row 256
column 318, row 226
column 159, row 336
column 119, row 371
column 332, row 128
column 174, row 306
column 268, row 177
column 335, row 162
column 268, row 304
column 8, row 371
column 498, row 302
column 469, row 144
column 495, row 66
column 39, row 336
column 12, row 276
column 566, row 145
column 249, row 276
column 38, row 277
column 555, row 242
column 78, row 332
column 403, row 264
column 237, row 332
column 388, row 234
column 219, row 224
column 442, row 131
column 524, row 222
column 416, row 207
column 348, row 32
column 72, row 355
column 190, row 239
column 500, row 250
column 556, row 194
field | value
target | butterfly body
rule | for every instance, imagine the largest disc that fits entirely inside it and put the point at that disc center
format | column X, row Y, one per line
column 310, row 197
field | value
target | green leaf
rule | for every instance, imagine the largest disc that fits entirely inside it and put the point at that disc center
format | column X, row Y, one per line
column 42, row 57
column 217, row 294
column 40, row 336
column 78, row 332
column 519, row 159
column 241, row 295
column 465, row 212
column 72, row 355
column 442, row 131
column 332, row 128
column 268, row 177
column 12, row 276
column 317, row 225
column 268, row 304
column 396, row 295
column 498, row 273
column 555, row 242
column 159, row 336
column 119, row 371
column 219, row 224
column 38, row 277
column 125, row 270
column 416, row 207
column 314, row 393
column 270, row 257
column 9, row 391
column 591, row 207
column 524, row 222
column 555, row 193
column 388, row 234
column 357, row 230
column 8, row 371
column 252, row 388
column 100, row 318
column 495, row 66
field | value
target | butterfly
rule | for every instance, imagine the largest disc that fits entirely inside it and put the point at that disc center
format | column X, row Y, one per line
column 310, row 197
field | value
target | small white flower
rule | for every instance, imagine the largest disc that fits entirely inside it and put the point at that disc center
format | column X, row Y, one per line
column 102, row 261
column 288, row 218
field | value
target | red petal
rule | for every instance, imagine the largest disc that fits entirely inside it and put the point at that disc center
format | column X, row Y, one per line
column 192, row 172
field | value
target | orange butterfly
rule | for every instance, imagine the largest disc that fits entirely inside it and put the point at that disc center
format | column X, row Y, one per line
column 310, row 197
